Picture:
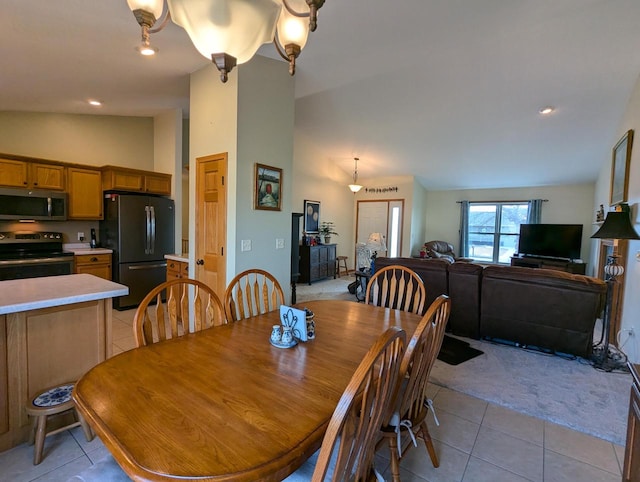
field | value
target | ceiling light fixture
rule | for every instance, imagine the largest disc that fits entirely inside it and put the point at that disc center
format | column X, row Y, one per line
column 546, row 110
column 95, row 103
column 355, row 187
column 229, row 32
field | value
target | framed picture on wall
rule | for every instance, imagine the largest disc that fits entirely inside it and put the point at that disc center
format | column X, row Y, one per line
column 268, row 188
column 620, row 169
column 311, row 216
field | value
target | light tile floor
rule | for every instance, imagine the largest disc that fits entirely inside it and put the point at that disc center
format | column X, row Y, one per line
column 475, row 442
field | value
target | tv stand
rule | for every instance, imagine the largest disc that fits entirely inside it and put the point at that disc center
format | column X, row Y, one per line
column 549, row 263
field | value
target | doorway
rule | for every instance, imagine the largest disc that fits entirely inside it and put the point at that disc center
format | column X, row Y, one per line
column 385, row 217
column 211, row 215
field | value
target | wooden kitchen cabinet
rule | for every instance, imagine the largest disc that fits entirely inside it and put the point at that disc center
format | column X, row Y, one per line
column 16, row 173
column 631, row 470
column 134, row 180
column 177, row 269
column 85, row 194
column 317, row 262
column 96, row 264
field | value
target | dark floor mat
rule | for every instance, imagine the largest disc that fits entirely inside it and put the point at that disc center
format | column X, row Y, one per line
column 454, row 351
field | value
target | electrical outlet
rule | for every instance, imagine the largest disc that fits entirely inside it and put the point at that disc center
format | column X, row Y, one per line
column 80, row 236
column 245, row 245
column 279, row 243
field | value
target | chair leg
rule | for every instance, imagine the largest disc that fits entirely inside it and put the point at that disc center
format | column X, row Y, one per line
column 88, row 433
column 32, row 431
column 426, row 436
column 39, row 442
column 395, row 459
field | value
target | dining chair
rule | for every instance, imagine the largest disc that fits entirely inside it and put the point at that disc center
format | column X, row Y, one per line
column 348, row 447
column 397, row 287
column 252, row 293
column 170, row 318
column 412, row 404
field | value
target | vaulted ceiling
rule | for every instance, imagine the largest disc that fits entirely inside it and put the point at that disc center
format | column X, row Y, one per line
column 446, row 90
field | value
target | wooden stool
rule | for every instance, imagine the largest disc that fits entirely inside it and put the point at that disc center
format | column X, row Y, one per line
column 52, row 401
column 342, row 259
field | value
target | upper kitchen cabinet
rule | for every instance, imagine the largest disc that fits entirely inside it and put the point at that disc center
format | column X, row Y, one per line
column 134, row 180
column 33, row 175
column 85, row 193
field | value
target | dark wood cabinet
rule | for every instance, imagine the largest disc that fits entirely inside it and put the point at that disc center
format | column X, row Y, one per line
column 317, row 262
column 631, row 470
column 547, row 263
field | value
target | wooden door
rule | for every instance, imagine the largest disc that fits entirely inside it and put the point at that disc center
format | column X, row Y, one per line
column 211, row 216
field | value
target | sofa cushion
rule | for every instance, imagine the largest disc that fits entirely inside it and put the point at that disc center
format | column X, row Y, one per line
column 545, row 308
column 432, row 271
column 464, row 290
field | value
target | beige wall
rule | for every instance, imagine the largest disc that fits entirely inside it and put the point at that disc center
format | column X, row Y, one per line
column 631, row 277
column 85, row 139
column 570, row 204
column 251, row 118
column 316, row 178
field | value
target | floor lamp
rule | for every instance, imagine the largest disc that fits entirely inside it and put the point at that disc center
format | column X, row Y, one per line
column 617, row 225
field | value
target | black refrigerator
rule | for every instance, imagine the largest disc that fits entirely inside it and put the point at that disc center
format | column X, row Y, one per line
column 139, row 228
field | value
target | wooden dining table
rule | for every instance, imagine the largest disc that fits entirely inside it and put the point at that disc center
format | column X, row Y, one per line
column 224, row 404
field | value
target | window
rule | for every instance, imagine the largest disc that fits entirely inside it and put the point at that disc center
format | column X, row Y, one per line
column 494, row 230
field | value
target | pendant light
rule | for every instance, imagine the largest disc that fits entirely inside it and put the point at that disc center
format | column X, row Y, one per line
column 230, row 32
column 355, row 187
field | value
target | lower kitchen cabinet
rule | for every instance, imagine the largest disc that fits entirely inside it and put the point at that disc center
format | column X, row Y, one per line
column 96, row 264
column 177, row 269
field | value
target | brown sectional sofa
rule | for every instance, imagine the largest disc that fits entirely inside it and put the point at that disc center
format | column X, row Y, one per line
column 545, row 308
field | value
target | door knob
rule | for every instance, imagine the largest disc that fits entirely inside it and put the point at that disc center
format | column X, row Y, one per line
column 200, row 262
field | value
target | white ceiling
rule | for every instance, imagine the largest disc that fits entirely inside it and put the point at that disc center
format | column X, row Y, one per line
column 446, row 90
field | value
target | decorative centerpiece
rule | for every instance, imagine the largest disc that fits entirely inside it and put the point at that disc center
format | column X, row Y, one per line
column 297, row 325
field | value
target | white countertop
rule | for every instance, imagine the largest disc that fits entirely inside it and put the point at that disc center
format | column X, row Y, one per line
column 177, row 257
column 47, row 291
column 78, row 251
column 84, row 248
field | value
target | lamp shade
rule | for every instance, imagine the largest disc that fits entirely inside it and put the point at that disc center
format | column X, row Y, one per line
column 234, row 27
column 376, row 242
column 292, row 29
column 355, row 187
column 151, row 6
column 617, row 225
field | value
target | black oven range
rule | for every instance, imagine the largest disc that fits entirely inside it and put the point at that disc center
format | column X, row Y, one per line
column 30, row 254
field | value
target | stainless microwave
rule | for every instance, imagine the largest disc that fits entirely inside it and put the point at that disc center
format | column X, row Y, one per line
column 33, row 204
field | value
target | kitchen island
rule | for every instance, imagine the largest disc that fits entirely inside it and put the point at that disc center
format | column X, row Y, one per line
column 52, row 330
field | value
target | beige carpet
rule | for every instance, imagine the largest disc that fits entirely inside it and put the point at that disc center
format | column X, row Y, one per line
column 567, row 392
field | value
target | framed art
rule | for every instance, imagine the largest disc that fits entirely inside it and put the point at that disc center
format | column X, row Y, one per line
column 268, row 188
column 311, row 216
column 620, row 169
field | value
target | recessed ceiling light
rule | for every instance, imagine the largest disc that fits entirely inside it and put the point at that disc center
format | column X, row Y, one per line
column 546, row 110
column 95, row 103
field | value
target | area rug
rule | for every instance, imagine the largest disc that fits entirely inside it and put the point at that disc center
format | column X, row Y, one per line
column 567, row 392
column 454, row 351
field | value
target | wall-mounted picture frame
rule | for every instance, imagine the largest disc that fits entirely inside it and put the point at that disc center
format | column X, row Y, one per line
column 620, row 161
column 268, row 188
column 311, row 216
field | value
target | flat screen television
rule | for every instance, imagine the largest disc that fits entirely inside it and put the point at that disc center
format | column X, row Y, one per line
column 551, row 240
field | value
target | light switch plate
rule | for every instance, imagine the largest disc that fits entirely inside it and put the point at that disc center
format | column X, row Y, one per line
column 279, row 243
column 245, row 245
